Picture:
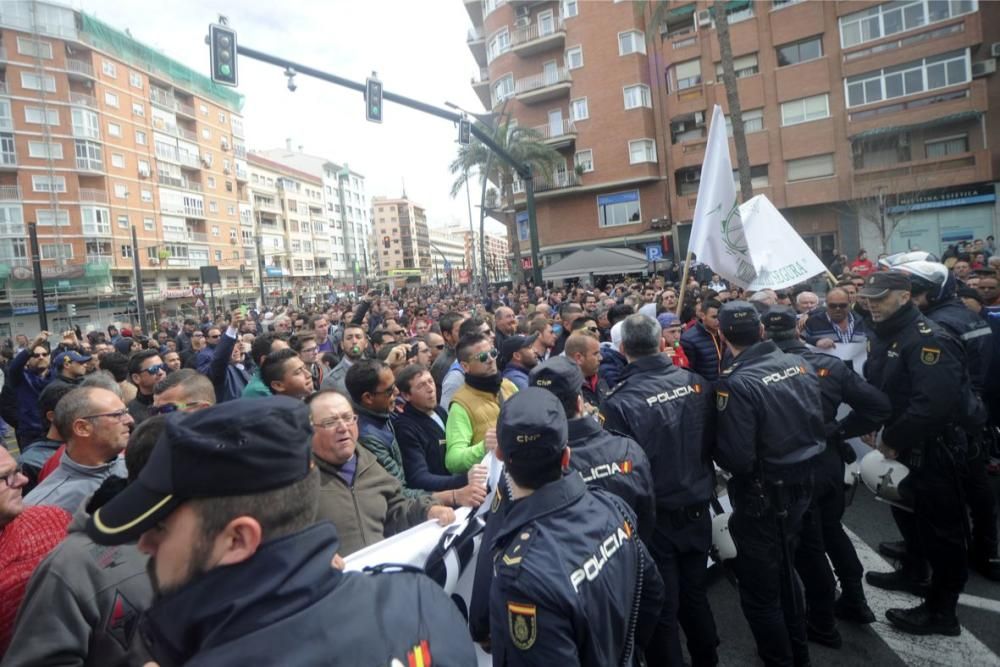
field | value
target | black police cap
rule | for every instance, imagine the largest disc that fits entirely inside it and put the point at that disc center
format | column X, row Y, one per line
column 231, row 449
column 738, row 316
column 780, row 318
column 559, row 375
column 880, row 284
column 532, row 426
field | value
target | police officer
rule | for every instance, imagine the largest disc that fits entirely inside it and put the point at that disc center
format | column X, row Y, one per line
column 573, row 583
column 838, row 384
column 921, row 368
column 770, row 431
column 667, row 410
column 605, row 460
column 933, row 292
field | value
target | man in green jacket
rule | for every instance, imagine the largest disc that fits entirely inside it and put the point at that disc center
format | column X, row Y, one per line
column 262, row 346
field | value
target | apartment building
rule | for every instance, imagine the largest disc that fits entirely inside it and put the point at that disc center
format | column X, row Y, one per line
column 448, row 256
column 867, row 122
column 99, row 134
column 287, row 208
column 346, row 208
column 402, row 243
column 497, row 262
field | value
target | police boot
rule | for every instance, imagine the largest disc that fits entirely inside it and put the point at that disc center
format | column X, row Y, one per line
column 852, row 605
column 923, row 620
column 893, row 550
column 903, row 579
column 824, row 635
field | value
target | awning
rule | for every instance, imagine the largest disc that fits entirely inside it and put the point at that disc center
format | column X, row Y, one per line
column 680, row 12
column 598, row 262
column 898, row 129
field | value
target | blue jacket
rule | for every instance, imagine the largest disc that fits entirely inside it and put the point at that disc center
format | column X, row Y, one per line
column 228, row 380
column 516, row 374
column 706, row 352
column 204, row 359
column 421, row 441
column 613, row 363
column 28, row 387
column 286, row 606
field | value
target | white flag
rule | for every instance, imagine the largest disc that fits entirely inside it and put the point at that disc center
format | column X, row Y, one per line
column 717, row 236
column 780, row 257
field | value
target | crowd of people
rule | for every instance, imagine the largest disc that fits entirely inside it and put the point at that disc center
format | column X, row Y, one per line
column 188, row 496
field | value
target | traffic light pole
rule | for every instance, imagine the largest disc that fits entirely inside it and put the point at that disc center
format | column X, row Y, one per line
column 140, row 299
column 523, row 169
column 36, row 270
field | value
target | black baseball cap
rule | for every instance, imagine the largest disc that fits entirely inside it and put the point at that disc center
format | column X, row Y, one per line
column 780, row 318
column 880, row 284
column 514, row 344
column 559, row 375
column 231, row 449
column 532, row 427
column 738, row 317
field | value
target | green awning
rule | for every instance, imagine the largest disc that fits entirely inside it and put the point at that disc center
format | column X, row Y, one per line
column 737, row 5
column 680, row 12
column 890, row 130
column 4, row 271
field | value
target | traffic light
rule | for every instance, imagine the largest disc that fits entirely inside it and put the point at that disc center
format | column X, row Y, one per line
column 373, row 100
column 222, row 44
column 464, row 131
column 70, row 310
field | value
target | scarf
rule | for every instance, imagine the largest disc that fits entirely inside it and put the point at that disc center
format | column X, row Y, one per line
column 489, row 383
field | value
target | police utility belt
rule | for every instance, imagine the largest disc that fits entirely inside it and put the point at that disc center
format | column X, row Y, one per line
column 684, row 516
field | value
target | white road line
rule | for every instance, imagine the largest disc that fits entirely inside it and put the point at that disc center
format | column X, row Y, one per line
column 914, row 650
column 985, row 604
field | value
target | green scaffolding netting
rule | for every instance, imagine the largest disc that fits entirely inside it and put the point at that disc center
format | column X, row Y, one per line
column 102, row 36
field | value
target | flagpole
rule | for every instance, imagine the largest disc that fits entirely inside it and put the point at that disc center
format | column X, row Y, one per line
column 683, row 286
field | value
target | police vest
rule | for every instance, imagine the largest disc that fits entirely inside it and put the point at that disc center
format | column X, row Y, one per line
column 482, row 407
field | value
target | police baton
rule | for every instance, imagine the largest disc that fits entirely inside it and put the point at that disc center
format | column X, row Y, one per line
column 787, row 564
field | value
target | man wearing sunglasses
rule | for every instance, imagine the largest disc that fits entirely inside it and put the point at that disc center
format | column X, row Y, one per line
column 187, row 390
column 836, row 323
column 145, row 369
column 28, row 374
column 96, row 425
column 69, row 366
column 475, row 406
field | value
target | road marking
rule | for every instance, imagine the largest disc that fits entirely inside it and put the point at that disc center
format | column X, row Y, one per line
column 985, row 604
column 916, row 650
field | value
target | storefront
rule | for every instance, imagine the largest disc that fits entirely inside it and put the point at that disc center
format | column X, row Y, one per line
column 935, row 219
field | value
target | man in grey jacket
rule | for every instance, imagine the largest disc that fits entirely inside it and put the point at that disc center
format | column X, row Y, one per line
column 353, row 346
column 83, row 602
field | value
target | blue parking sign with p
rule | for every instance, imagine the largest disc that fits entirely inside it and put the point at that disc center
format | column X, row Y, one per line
column 654, row 253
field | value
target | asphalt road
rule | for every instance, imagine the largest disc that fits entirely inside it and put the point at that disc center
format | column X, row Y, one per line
column 877, row 644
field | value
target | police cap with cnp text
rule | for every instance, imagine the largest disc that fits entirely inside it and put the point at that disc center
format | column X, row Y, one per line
column 560, row 376
column 780, row 318
column 231, row 449
column 532, row 427
column 738, row 317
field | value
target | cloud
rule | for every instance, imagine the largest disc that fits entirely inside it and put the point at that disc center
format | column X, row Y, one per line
column 417, row 48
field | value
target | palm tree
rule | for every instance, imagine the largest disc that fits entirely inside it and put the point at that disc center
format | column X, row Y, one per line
column 526, row 146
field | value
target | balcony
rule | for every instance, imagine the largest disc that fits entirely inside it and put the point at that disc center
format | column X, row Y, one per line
column 183, row 183
column 197, row 237
column 186, row 109
column 917, row 175
column 558, row 181
column 906, row 111
column 94, row 195
column 242, row 174
column 558, row 134
column 100, row 259
column 8, row 160
column 481, row 86
column 477, row 44
column 197, row 212
column 82, row 99
column 3, row 88
column 10, row 192
column 262, row 204
column 475, row 9
column 96, row 229
column 543, row 86
column 189, row 160
column 90, row 164
column 79, row 69
column 538, row 37
column 12, row 229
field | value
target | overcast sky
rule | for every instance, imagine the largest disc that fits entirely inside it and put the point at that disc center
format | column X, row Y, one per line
column 417, row 47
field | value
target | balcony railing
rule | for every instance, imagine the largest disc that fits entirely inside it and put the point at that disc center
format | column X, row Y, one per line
column 555, row 130
column 189, row 160
column 88, row 164
column 93, row 194
column 173, row 181
column 83, row 99
column 91, row 229
column 484, row 77
column 475, row 34
column 558, row 180
column 194, row 211
column 10, row 192
column 185, row 108
column 197, row 237
column 79, row 67
column 100, row 259
column 3, row 88
column 12, row 229
column 8, row 159
column 542, row 80
column 533, row 31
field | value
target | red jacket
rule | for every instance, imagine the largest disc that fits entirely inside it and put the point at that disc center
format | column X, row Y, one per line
column 862, row 267
column 677, row 356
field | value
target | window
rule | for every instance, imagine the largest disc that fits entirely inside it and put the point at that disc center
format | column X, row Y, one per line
column 631, row 42
column 52, row 218
column 40, row 116
column 229, row 186
column 206, row 133
column 138, row 109
column 218, row 255
column 503, row 88
column 570, row 8
column 641, row 150
column 637, row 96
column 109, row 69
column 44, row 82
column 57, row 251
column 742, row 66
column 578, row 109
column 778, row 4
column 213, row 207
column 574, row 57
column 6, row 120
column 800, row 52
column 121, row 190
column 96, row 221
column 687, row 74
column 85, row 124
column 48, row 183
column 126, row 251
column 88, row 155
column 114, row 129
column 118, row 160
column 222, row 118
column 753, row 121
column 135, row 80
column 45, row 150
column 498, row 45
column 149, row 224
column 143, row 167
column 210, row 182
column 146, row 195
column 123, row 221
column 945, row 146
column 818, row 166
column 34, row 48
column 111, row 100
column 946, row 69
column 584, row 159
column 140, row 137
column 203, row 109
column 805, row 109
column 894, row 17
column 620, row 208
column 758, row 177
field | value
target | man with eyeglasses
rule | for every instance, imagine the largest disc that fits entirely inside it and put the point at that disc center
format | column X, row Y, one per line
column 96, row 425
column 836, row 323
column 305, row 344
column 455, row 376
column 145, row 369
column 28, row 374
column 187, row 390
column 27, row 535
column 204, row 358
column 436, row 344
column 69, row 366
column 473, row 410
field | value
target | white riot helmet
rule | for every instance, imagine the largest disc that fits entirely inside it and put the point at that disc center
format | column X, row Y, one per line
column 883, row 477
column 905, row 258
column 927, row 277
column 851, row 473
column 723, row 546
